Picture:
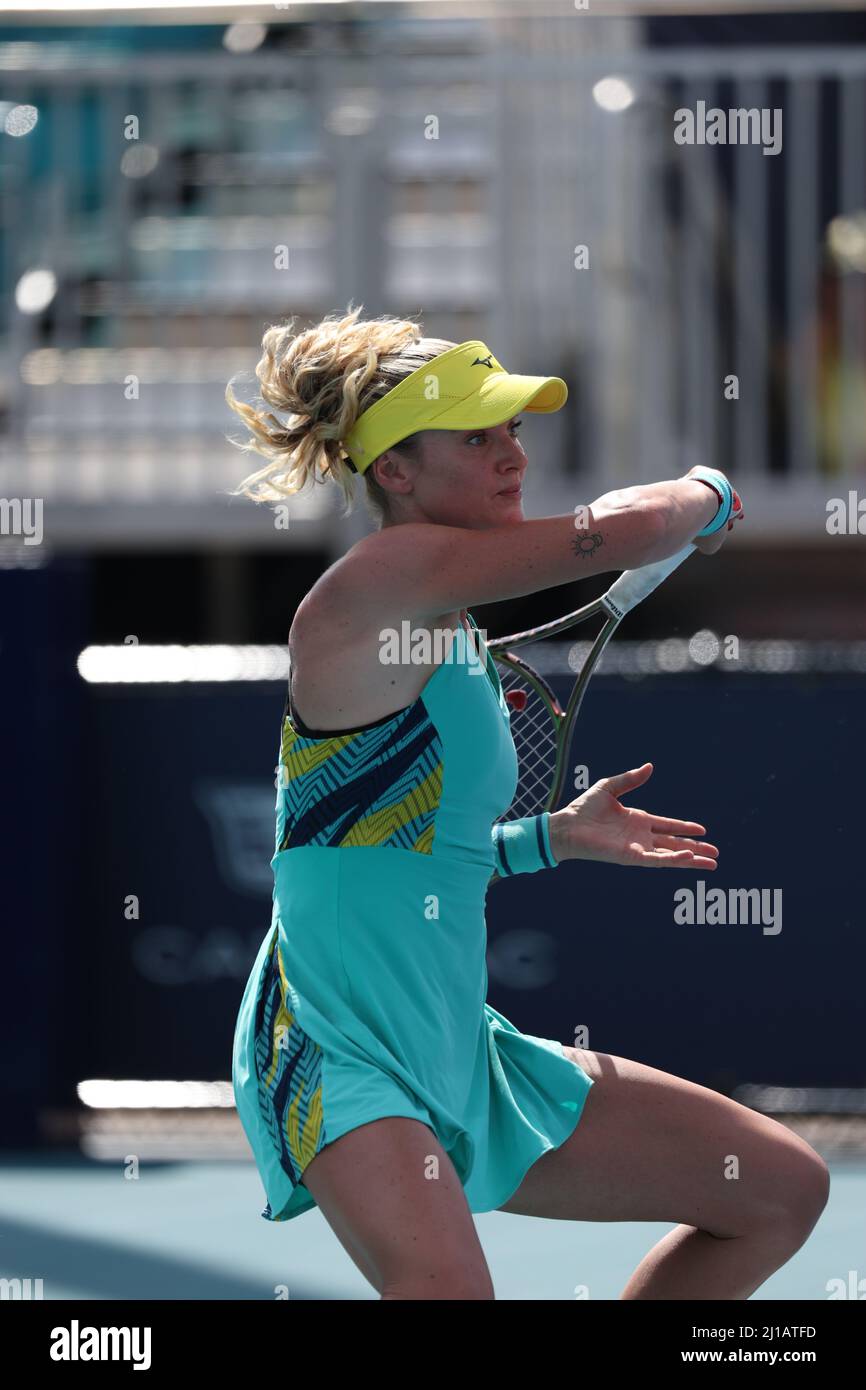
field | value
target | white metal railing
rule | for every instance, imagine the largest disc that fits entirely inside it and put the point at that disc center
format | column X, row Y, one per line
column 120, row 402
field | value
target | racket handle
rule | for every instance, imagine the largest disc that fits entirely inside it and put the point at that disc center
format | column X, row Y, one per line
column 634, row 585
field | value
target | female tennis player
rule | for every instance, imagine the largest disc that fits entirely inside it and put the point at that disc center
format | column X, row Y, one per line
column 371, row 1077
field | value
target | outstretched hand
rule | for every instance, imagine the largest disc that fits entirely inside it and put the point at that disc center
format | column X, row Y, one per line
column 596, row 826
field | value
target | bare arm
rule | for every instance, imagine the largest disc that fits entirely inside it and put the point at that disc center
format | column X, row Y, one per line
column 420, row 570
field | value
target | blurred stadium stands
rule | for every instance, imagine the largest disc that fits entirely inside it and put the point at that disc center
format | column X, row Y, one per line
column 167, row 199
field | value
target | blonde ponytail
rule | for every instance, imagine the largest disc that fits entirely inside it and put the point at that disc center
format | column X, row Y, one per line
column 323, row 379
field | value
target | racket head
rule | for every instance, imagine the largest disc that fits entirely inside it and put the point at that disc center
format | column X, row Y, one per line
column 542, row 731
column 537, row 720
column 540, row 728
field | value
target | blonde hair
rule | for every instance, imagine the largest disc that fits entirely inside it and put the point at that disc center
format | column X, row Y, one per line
column 324, row 379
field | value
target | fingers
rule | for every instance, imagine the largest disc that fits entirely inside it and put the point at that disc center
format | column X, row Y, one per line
column 664, row 825
column 626, row 781
column 696, row 862
column 679, row 843
column 682, row 842
column 675, row 859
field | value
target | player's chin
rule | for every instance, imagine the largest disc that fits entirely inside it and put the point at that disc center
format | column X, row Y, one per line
column 505, row 505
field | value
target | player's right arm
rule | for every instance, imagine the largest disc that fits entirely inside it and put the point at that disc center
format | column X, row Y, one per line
column 422, row 569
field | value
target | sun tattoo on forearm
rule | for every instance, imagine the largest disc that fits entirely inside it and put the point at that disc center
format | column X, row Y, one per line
column 586, row 543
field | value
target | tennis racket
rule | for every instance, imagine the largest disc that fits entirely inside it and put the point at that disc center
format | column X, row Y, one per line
column 541, row 729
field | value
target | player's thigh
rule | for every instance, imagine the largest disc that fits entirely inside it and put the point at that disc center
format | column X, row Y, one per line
column 402, row 1218
column 650, row 1146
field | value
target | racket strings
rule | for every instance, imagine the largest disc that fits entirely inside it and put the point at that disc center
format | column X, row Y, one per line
column 534, row 731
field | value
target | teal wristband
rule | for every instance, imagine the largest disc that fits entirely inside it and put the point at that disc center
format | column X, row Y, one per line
column 721, row 485
column 523, row 846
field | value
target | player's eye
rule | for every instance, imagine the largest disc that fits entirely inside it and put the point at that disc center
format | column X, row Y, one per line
column 482, row 434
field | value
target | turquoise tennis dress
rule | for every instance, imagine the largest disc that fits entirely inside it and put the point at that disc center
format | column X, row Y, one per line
column 368, row 995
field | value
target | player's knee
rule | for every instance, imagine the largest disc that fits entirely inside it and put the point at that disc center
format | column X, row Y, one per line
column 808, row 1190
column 801, row 1187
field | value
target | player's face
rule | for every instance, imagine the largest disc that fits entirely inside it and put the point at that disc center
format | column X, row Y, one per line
column 470, row 478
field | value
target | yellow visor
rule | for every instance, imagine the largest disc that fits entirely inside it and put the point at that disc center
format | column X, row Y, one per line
column 463, row 388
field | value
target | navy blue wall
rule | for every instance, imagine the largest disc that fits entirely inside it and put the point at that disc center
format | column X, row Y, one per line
column 45, row 828
column 181, row 813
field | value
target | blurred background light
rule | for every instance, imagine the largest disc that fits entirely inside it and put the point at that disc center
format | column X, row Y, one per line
column 35, row 290
column 19, row 120
column 613, row 93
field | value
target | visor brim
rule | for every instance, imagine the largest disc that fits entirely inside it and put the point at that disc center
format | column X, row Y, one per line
column 500, row 397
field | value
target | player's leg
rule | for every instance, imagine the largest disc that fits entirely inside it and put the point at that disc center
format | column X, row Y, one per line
column 650, row 1146
column 403, row 1219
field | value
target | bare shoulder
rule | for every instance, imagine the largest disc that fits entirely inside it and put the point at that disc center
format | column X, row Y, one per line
column 339, row 680
column 385, row 576
column 368, row 587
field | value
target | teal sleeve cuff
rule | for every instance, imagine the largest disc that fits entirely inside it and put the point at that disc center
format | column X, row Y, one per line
column 523, row 846
column 720, row 485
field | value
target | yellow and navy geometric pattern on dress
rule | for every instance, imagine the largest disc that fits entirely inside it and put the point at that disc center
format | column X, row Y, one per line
column 380, row 786
column 289, row 1066
column 376, row 786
